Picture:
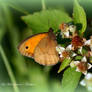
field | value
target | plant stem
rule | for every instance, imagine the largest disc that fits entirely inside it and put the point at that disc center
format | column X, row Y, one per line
column 8, row 67
column 43, row 5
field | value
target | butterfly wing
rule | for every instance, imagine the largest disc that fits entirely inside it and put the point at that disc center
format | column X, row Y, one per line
column 45, row 52
column 27, row 47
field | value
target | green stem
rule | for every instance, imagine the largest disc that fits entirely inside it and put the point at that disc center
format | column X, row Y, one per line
column 8, row 67
column 43, row 5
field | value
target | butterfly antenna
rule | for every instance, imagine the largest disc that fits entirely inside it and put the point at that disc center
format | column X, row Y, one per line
column 50, row 28
column 48, row 23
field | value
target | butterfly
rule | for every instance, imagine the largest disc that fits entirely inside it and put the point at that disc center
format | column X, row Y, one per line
column 41, row 47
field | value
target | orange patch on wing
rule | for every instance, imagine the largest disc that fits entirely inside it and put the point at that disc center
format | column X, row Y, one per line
column 31, row 44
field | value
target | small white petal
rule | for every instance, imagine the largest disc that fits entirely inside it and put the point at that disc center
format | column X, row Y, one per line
column 84, row 59
column 83, row 83
column 67, row 29
column 87, row 42
column 60, row 52
column 66, row 33
column 69, row 47
column 57, row 49
column 72, row 28
column 77, row 69
column 89, row 66
column 68, row 58
column 72, row 64
column 88, row 76
column 76, row 62
column 62, row 34
column 60, row 49
column 74, row 54
column 80, row 50
column 85, row 72
column 61, row 56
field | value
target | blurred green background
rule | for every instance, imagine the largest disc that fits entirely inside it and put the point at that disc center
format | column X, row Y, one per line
column 14, row 68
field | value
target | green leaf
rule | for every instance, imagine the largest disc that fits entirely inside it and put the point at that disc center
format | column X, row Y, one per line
column 78, row 58
column 70, row 80
column 42, row 21
column 79, row 17
column 64, row 64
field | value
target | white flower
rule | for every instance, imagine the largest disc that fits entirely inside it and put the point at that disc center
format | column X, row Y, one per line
column 59, row 49
column 72, row 28
column 62, row 52
column 69, row 48
column 64, row 30
column 65, row 52
column 65, row 33
column 87, row 81
column 82, row 66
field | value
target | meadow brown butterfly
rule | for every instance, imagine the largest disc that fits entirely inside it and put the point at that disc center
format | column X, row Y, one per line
column 41, row 47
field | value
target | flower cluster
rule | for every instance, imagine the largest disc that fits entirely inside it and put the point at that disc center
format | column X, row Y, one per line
column 79, row 50
column 67, row 29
